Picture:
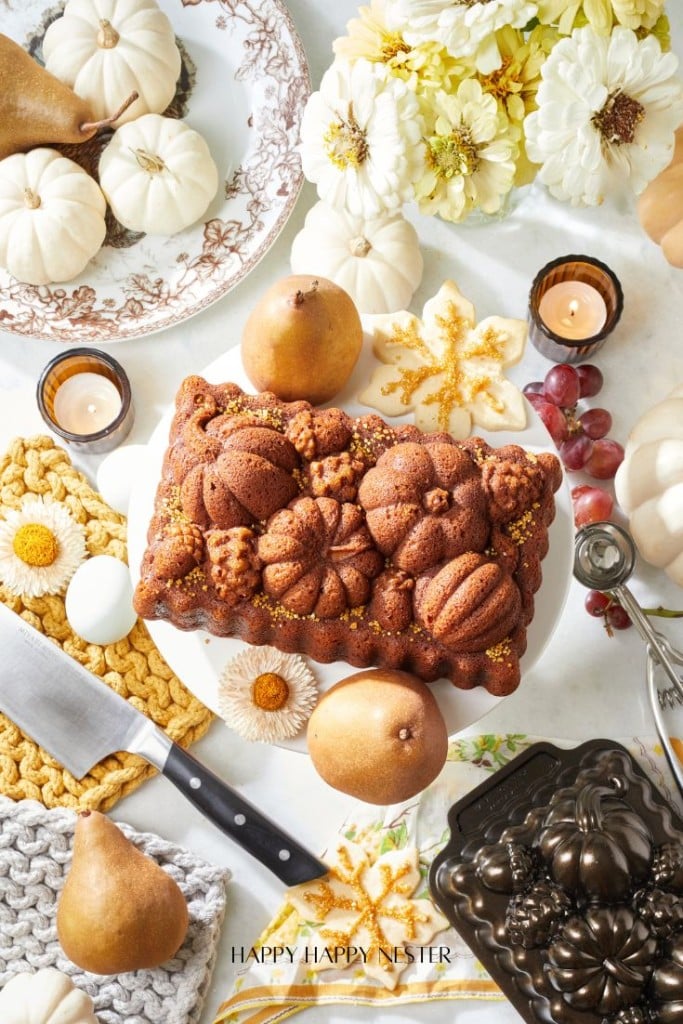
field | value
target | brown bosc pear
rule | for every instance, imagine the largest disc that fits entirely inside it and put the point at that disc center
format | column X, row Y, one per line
column 36, row 109
column 118, row 911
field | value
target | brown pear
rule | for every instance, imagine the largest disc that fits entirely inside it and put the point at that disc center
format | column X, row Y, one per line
column 118, row 911
column 36, row 109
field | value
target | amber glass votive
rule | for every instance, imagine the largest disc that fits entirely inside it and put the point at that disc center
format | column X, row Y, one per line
column 575, row 303
column 84, row 397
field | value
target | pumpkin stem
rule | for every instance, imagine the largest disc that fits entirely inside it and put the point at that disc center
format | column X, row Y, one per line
column 588, row 807
column 360, row 246
column 107, row 37
column 149, row 162
column 94, row 126
column 31, row 199
column 300, row 297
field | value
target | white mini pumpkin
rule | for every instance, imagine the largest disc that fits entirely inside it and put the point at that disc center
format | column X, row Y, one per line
column 649, row 485
column 378, row 262
column 158, row 175
column 51, row 217
column 106, row 49
column 46, row 997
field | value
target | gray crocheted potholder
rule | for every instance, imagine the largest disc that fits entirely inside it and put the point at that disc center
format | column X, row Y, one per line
column 35, row 855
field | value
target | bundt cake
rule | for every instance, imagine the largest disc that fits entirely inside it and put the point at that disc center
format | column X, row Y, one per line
column 346, row 538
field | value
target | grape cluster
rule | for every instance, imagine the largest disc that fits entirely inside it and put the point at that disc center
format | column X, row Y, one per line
column 581, row 439
column 604, row 606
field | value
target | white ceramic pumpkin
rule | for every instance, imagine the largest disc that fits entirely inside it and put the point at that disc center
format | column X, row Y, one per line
column 649, row 485
column 106, row 49
column 378, row 262
column 51, row 217
column 46, row 997
column 158, row 175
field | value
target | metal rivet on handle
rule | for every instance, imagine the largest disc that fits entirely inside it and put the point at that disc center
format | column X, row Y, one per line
column 195, row 783
column 284, row 855
column 240, row 819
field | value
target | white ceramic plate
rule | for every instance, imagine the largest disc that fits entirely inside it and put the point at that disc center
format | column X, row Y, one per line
column 198, row 658
column 246, row 96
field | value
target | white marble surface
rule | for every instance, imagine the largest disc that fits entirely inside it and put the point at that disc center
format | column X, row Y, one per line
column 585, row 685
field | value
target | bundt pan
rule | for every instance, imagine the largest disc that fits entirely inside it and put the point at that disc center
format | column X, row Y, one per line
column 564, row 874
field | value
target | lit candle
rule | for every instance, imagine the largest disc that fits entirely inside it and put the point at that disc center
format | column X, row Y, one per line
column 86, row 403
column 575, row 302
column 84, row 397
column 573, row 309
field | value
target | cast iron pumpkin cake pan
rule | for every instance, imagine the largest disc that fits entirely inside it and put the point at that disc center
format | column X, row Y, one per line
column 564, row 874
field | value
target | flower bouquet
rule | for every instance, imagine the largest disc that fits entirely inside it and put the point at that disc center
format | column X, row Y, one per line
column 452, row 103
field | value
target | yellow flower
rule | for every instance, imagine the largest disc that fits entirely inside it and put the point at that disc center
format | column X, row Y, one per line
column 601, row 15
column 370, row 38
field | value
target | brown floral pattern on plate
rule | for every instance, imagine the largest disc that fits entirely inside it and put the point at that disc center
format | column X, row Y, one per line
column 130, row 290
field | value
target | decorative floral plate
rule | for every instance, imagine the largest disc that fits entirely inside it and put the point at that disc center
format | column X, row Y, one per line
column 198, row 658
column 243, row 86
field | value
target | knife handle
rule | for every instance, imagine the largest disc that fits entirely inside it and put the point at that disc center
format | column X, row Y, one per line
column 259, row 836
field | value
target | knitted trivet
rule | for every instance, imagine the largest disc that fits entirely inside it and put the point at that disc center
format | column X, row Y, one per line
column 133, row 666
column 35, row 855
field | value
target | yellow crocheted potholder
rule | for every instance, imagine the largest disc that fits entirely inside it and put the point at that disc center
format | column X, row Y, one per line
column 133, row 666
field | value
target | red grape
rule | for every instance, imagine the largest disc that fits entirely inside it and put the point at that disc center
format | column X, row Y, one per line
column 604, row 459
column 535, row 399
column 595, row 506
column 581, row 489
column 590, row 380
column 562, row 385
column 534, row 387
column 596, row 423
column 576, row 452
column 553, row 420
column 617, row 617
column 596, row 603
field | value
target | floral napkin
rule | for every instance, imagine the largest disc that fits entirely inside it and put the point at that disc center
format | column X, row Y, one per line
column 283, row 973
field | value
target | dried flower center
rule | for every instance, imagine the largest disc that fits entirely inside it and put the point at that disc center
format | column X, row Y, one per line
column 470, row 3
column 270, row 692
column 454, row 155
column 392, row 45
column 346, row 144
column 619, row 118
column 35, row 545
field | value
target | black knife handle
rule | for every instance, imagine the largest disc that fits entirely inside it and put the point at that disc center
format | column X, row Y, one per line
column 240, row 820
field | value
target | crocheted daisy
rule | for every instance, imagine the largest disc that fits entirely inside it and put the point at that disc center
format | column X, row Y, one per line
column 361, row 138
column 41, row 546
column 470, row 154
column 266, row 695
column 608, row 107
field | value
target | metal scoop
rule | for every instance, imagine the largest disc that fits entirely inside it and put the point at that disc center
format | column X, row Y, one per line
column 604, row 558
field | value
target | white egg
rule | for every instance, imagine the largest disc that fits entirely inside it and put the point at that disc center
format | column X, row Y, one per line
column 99, row 600
column 117, row 474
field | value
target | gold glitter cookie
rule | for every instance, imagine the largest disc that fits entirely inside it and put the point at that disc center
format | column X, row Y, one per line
column 367, row 912
column 446, row 367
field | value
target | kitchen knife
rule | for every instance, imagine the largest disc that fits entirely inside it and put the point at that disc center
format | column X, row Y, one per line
column 80, row 720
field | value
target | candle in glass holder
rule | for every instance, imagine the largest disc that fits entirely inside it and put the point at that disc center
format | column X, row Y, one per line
column 84, row 397
column 574, row 304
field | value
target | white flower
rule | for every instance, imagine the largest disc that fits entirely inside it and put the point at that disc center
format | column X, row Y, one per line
column 470, row 154
column 41, row 546
column 361, row 138
column 638, row 13
column 608, row 109
column 265, row 695
column 465, row 29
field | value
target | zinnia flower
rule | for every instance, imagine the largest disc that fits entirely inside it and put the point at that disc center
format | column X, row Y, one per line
column 41, row 546
column 601, row 14
column 470, row 154
column 361, row 138
column 265, row 695
column 608, row 107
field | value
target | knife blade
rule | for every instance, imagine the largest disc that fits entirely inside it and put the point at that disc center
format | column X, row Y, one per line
column 79, row 720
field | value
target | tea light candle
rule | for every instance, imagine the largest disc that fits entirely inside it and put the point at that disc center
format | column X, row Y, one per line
column 574, row 304
column 84, row 397
column 86, row 403
column 573, row 309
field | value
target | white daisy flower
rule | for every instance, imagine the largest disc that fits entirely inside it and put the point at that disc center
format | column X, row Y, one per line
column 361, row 138
column 465, row 27
column 608, row 107
column 470, row 155
column 266, row 695
column 41, row 546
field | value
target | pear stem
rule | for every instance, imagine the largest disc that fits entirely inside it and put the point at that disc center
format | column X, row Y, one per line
column 107, row 37
column 31, row 199
column 90, row 127
column 359, row 246
column 300, row 297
